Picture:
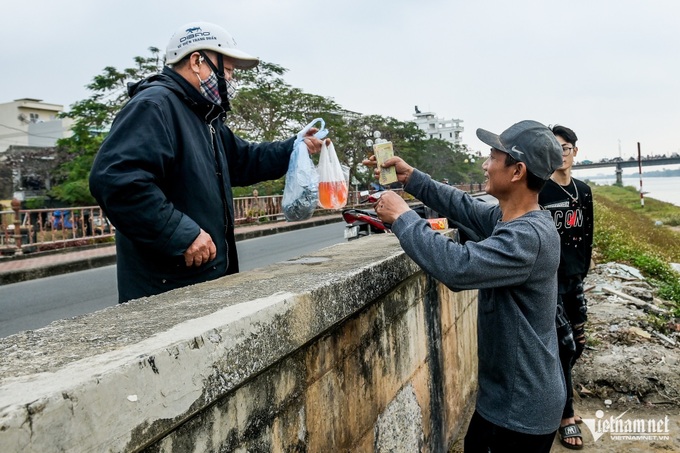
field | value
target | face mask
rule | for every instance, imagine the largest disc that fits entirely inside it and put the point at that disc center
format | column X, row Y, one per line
column 217, row 90
column 209, row 88
column 232, row 87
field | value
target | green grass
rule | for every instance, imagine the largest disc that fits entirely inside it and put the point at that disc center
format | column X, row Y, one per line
column 626, row 232
column 653, row 209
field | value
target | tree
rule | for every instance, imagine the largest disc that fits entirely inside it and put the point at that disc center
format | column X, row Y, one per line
column 443, row 160
column 92, row 118
column 351, row 136
column 438, row 158
column 266, row 108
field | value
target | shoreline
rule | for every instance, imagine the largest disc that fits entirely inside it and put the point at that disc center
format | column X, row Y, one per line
column 658, row 188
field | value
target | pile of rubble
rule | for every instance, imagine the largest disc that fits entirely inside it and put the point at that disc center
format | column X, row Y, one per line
column 633, row 348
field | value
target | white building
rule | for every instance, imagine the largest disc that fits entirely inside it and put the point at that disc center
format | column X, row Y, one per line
column 445, row 129
column 32, row 122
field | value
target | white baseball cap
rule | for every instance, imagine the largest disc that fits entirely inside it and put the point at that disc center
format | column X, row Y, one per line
column 196, row 36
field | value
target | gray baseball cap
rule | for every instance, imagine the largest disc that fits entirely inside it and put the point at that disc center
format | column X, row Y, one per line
column 530, row 142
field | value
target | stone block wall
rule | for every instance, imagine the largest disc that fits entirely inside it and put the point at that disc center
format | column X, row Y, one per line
column 352, row 348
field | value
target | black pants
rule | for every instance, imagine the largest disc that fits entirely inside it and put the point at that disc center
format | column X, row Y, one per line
column 572, row 314
column 485, row 437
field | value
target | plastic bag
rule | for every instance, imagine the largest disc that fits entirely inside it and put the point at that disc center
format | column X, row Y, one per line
column 301, row 193
column 333, row 179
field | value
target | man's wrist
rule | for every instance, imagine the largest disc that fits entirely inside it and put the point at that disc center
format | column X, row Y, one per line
column 409, row 174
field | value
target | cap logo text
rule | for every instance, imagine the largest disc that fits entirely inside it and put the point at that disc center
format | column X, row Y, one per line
column 195, row 34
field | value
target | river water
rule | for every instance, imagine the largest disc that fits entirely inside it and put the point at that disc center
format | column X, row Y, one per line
column 660, row 188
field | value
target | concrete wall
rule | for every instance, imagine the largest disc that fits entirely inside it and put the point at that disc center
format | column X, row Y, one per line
column 351, row 348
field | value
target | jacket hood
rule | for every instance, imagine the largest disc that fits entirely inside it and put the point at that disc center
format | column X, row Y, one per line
column 174, row 82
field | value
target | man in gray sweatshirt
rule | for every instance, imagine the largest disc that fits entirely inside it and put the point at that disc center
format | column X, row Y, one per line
column 514, row 266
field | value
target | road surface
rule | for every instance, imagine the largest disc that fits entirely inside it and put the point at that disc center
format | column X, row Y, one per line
column 36, row 303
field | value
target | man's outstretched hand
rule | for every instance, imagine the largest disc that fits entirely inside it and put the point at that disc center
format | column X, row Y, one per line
column 404, row 170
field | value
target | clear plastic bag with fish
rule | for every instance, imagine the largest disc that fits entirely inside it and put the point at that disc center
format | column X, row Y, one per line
column 301, row 193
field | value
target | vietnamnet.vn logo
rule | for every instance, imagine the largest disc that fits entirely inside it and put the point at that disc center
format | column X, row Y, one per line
column 620, row 428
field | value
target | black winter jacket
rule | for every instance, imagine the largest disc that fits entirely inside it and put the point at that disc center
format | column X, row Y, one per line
column 166, row 170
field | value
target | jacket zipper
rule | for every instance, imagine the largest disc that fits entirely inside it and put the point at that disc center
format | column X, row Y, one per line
column 220, row 180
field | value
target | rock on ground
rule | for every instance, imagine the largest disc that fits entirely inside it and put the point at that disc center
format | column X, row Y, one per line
column 631, row 367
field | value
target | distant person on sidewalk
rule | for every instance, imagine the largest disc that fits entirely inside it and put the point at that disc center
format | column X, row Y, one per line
column 165, row 171
column 521, row 385
column 570, row 202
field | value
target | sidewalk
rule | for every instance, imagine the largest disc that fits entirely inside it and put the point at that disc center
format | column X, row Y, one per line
column 13, row 270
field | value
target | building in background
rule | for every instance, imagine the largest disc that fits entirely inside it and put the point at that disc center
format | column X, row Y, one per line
column 444, row 129
column 29, row 130
column 27, row 171
column 32, row 122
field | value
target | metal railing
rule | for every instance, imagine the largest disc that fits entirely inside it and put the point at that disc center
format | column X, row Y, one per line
column 34, row 230
column 472, row 187
column 257, row 209
column 269, row 208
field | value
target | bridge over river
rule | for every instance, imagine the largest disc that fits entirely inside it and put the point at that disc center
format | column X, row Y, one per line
column 619, row 165
column 628, row 163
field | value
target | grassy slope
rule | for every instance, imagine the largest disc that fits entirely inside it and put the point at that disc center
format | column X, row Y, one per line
column 626, row 232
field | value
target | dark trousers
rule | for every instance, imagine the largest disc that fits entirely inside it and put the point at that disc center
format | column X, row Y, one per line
column 485, row 437
column 572, row 313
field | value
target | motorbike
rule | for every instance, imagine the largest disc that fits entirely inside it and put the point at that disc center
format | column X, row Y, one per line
column 365, row 222
column 362, row 223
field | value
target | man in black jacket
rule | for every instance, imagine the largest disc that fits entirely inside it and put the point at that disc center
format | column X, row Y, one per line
column 164, row 174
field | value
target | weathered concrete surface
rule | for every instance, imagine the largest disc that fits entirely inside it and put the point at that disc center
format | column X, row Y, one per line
column 343, row 349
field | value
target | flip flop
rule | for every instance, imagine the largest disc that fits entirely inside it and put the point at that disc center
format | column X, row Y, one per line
column 568, row 432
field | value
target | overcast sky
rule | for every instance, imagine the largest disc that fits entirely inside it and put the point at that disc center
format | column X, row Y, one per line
column 609, row 69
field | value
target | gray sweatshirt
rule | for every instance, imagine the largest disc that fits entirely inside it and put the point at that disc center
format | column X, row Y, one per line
column 521, row 384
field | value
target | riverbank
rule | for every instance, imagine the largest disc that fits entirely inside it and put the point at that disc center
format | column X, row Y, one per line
column 645, row 237
column 658, row 185
column 629, row 369
column 629, row 198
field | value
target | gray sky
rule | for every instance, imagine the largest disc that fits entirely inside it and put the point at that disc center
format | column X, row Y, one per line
column 609, row 69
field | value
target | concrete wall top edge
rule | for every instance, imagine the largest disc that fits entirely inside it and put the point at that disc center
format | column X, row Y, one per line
column 232, row 307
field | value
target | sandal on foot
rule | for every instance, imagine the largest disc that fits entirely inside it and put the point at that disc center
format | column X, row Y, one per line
column 569, row 432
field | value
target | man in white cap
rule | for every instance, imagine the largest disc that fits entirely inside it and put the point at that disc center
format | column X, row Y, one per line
column 521, row 386
column 165, row 171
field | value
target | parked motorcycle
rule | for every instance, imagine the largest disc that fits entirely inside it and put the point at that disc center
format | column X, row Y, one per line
column 362, row 223
column 365, row 222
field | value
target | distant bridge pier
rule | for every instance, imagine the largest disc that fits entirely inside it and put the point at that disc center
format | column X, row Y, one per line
column 619, row 175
